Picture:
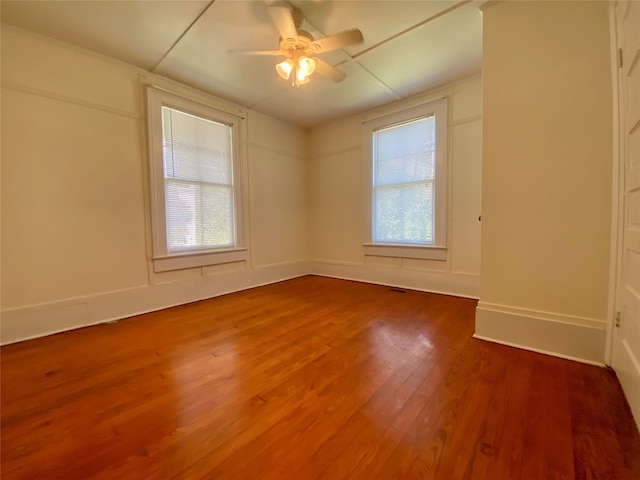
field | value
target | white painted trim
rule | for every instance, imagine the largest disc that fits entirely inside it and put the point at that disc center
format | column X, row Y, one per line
column 620, row 354
column 45, row 319
column 628, row 371
column 71, row 100
column 34, row 321
column 76, row 49
column 482, row 6
column 172, row 87
column 439, row 108
column 198, row 259
column 464, row 121
column 560, row 335
column 537, row 350
column 163, row 260
column 617, row 233
column 338, row 263
column 339, row 151
column 284, row 264
column 408, row 103
column 446, row 283
column 551, row 316
column 280, row 151
column 427, row 252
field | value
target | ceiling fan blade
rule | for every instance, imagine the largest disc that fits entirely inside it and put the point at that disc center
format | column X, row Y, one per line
column 329, row 71
column 339, row 40
column 275, row 53
column 283, row 19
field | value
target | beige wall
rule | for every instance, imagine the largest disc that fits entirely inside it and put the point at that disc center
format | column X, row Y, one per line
column 546, row 176
column 75, row 236
column 75, row 224
column 279, row 200
column 72, row 205
column 338, row 202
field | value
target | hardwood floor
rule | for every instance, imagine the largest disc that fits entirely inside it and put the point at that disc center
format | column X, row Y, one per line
column 304, row 379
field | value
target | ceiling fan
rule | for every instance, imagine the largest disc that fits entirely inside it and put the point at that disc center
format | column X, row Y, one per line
column 299, row 47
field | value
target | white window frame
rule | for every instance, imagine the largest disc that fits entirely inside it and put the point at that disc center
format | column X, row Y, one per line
column 163, row 260
column 438, row 249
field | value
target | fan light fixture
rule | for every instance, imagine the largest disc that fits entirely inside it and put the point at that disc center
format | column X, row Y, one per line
column 300, row 50
column 301, row 67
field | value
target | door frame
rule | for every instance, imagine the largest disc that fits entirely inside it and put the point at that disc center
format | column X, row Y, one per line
column 617, row 179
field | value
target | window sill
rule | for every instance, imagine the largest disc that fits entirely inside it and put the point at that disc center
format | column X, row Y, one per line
column 426, row 252
column 198, row 259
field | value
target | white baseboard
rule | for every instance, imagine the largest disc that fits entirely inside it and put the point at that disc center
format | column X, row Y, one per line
column 45, row 319
column 447, row 283
column 575, row 338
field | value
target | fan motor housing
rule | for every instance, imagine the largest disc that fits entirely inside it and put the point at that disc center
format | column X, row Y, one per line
column 303, row 43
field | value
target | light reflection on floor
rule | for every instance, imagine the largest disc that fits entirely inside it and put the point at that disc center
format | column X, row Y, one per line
column 396, row 344
column 203, row 386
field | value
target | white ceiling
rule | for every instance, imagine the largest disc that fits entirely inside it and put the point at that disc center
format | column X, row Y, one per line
column 409, row 47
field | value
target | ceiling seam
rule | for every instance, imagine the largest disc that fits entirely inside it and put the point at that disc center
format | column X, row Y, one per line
column 406, row 30
column 391, row 90
column 353, row 58
column 350, row 60
column 181, row 36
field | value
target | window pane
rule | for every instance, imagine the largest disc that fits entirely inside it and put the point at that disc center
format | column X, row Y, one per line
column 195, row 148
column 217, row 216
column 404, row 213
column 405, row 153
column 403, row 182
column 198, row 216
column 198, row 182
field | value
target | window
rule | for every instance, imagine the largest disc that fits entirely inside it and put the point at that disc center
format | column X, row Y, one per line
column 194, row 152
column 405, row 155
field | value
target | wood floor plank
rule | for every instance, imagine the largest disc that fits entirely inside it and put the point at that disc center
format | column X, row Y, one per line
column 597, row 404
column 508, row 420
column 367, row 433
column 312, row 378
column 322, row 395
column 492, row 436
column 424, row 449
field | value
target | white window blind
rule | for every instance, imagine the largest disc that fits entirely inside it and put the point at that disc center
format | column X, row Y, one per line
column 405, row 155
column 403, row 182
column 196, row 174
column 198, row 180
